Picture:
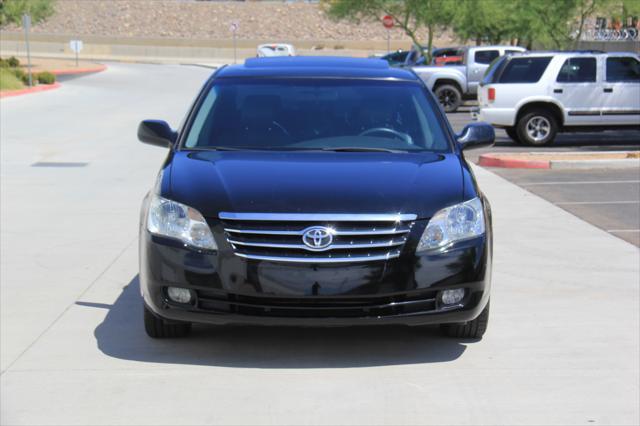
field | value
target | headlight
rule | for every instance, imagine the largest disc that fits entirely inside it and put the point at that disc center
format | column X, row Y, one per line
column 172, row 219
column 456, row 223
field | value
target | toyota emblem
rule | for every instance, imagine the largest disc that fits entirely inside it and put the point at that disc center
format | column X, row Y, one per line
column 317, row 238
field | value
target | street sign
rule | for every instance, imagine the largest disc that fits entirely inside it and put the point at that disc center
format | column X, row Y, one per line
column 234, row 29
column 26, row 22
column 387, row 22
column 76, row 46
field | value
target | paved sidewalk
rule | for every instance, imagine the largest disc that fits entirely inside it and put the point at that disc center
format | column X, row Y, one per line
column 562, row 345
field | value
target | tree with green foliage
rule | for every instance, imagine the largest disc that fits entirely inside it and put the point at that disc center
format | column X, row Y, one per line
column 409, row 15
column 586, row 9
column 11, row 11
column 545, row 22
column 482, row 21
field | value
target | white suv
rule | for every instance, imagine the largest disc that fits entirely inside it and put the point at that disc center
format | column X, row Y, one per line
column 533, row 96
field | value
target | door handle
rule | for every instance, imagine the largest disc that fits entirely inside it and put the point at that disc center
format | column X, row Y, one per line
column 608, row 90
column 557, row 90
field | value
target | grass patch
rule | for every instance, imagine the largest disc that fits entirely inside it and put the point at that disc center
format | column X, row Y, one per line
column 9, row 81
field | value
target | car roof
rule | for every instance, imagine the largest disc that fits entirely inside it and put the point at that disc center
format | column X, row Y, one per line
column 316, row 67
column 274, row 44
column 496, row 46
column 572, row 53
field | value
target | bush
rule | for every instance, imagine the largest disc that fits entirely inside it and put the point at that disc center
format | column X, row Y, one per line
column 45, row 77
column 25, row 78
column 4, row 63
column 13, row 62
column 19, row 73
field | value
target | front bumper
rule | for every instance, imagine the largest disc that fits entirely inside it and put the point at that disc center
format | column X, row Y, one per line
column 227, row 289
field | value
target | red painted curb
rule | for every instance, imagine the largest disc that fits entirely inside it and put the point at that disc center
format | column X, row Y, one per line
column 79, row 70
column 40, row 88
column 488, row 160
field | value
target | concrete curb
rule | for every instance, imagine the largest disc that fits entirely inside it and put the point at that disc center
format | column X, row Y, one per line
column 489, row 160
column 98, row 68
column 497, row 160
column 41, row 88
column 56, row 85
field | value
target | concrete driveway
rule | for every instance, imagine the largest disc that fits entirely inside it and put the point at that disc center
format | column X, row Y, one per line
column 562, row 345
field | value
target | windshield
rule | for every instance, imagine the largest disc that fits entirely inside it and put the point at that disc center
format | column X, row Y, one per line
column 327, row 114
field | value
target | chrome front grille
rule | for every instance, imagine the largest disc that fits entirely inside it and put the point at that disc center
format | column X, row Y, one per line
column 317, row 238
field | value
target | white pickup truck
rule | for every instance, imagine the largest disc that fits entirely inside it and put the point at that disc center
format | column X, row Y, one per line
column 454, row 83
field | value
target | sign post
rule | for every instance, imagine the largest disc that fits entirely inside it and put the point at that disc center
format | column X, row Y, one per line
column 76, row 46
column 234, row 29
column 26, row 24
column 387, row 22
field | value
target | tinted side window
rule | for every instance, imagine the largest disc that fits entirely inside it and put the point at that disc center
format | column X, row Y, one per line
column 493, row 72
column 525, row 70
column 485, row 56
column 623, row 69
column 578, row 70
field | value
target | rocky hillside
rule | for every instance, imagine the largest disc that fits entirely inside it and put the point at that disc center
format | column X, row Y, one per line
column 266, row 20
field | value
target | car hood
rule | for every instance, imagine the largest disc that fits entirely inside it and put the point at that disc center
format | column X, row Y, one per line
column 315, row 182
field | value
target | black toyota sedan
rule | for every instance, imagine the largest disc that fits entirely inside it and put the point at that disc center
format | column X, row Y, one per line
column 310, row 191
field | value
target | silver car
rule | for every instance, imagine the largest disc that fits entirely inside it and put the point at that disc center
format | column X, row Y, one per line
column 275, row 49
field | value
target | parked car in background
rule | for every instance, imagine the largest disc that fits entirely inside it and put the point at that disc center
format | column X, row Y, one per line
column 395, row 58
column 315, row 191
column 448, row 56
column 277, row 49
column 533, row 96
column 439, row 56
column 455, row 83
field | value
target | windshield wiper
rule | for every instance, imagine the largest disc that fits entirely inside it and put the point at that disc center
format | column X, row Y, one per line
column 361, row 149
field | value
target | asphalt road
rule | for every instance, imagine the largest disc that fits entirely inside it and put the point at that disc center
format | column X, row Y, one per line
column 562, row 345
column 609, row 199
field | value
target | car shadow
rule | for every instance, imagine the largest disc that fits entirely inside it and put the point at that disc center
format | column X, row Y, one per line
column 121, row 335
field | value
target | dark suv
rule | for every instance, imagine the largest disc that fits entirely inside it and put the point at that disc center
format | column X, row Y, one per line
column 315, row 191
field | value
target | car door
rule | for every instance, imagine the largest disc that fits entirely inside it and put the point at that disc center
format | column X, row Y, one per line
column 477, row 65
column 578, row 89
column 621, row 91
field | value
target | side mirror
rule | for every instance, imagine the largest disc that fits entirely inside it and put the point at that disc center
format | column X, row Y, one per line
column 476, row 135
column 156, row 132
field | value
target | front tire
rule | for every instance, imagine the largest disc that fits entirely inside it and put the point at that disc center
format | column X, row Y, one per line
column 474, row 329
column 157, row 328
column 449, row 97
column 537, row 128
column 513, row 134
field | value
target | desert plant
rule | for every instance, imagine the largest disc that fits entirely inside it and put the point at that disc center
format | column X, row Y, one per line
column 19, row 73
column 11, row 11
column 45, row 77
column 13, row 62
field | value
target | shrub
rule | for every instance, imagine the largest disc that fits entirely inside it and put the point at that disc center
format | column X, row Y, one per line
column 338, row 47
column 25, row 78
column 13, row 62
column 19, row 73
column 45, row 77
column 3, row 63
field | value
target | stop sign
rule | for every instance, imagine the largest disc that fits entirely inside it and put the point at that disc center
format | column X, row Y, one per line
column 387, row 21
